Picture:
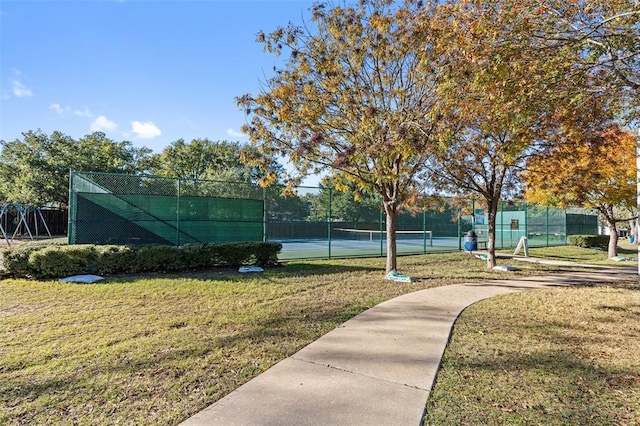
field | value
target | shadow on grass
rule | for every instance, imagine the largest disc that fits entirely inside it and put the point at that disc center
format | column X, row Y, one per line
column 286, row 330
column 569, row 390
column 232, row 274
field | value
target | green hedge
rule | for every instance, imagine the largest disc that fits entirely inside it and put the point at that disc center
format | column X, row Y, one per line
column 56, row 261
column 588, row 241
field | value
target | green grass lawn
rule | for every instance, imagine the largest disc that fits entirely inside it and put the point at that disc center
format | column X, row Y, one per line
column 568, row 356
column 592, row 256
column 156, row 349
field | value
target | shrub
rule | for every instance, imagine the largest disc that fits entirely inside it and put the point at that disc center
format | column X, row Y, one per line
column 237, row 254
column 267, row 253
column 16, row 259
column 115, row 259
column 61, row 260
column 587, row 241
column 158, row 259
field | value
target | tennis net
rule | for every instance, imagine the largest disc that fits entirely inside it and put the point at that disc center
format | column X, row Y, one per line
column 418, row 236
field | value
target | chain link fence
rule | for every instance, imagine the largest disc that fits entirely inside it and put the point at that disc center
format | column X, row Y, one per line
column 310, row 222
column 122, row 209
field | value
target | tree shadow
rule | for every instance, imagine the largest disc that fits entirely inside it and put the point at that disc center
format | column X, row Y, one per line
column 232, row 274
column 572, row 390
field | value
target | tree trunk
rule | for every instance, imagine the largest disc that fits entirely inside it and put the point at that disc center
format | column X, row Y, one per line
column 491, row 238
column 613, row 240
column 390, row 210
column 608, row 217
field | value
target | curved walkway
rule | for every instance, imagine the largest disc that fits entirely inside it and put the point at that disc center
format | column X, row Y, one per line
column 377, row 368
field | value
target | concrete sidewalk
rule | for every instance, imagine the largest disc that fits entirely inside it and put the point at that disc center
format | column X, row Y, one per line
column 377, row 368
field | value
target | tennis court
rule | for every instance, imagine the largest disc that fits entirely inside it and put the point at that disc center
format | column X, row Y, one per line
column 363, row 243
column 360, row 242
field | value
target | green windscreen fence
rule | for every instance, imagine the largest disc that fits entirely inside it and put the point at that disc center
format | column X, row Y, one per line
column 122, row 209
column 310, row 222
column 579, row 223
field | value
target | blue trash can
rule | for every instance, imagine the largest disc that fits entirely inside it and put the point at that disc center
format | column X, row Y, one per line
column 471, row 241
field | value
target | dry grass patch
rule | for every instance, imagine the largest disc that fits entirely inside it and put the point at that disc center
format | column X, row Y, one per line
column 157, row 349
column 554, row 357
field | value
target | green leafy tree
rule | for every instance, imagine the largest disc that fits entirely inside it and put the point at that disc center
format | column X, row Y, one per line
column 28, row 170
column 354, row 96
column 35, row 170
column 95, row 152
column 285, row 206
column 346, row 206
column 204, row 159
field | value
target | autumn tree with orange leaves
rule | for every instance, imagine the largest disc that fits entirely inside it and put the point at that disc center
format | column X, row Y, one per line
column 599, row 172
column 355, row 97
column 506, row 100
column 455, row 95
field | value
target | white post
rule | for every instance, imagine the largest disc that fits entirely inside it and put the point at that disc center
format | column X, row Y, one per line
column 638, row 193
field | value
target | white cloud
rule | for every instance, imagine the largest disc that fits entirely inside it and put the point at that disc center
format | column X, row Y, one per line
column 102, row 124
column 146, row 130
column 235, row 134
column 20, row 90
column 59, row 109
column 83, row 113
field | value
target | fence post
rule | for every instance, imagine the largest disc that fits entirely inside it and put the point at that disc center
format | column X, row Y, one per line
column 178, row 215
column 501, row 225
column 526, row 231
column 566, row 233
column 424, row 231
column 382, row 228
column 329, row 223
column 71, row 231
column 264, row 214
column 547, row 226
column 460, row 228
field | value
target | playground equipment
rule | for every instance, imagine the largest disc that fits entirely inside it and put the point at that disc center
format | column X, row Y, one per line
column 22, row 214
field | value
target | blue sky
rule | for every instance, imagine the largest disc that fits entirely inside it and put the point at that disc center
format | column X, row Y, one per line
column 150, row 72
